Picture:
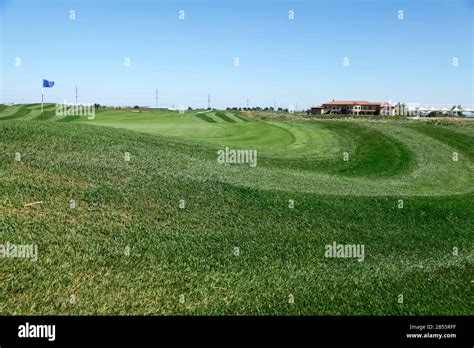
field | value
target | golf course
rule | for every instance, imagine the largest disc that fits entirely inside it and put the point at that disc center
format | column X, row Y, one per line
column 160, row 227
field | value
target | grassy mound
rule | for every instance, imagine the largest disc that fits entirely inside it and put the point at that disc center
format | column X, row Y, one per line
column 236, row 247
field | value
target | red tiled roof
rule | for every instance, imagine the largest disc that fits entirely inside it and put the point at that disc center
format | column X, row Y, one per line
column 353, row 102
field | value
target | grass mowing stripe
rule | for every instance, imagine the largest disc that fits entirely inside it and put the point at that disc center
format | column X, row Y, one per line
column 206, row 118
column 446, row 134
column 239, row 115
column 232, row 116
column 245, row 119
column 224, row 117
column 21, row 112
column 10, row 110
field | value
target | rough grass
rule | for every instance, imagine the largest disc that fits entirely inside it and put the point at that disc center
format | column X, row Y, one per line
column 191, row 251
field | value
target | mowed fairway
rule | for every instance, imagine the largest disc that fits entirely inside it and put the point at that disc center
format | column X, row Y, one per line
column 236, row 247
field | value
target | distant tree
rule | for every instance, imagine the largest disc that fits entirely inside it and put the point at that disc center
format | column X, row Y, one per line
column 136, row 107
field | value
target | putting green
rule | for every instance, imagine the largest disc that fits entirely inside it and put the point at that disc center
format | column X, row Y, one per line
column 384, row 159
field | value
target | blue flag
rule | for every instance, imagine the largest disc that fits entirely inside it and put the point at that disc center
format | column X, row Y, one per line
column 47, row 83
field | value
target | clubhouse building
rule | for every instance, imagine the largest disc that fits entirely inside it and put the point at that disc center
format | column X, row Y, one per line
column 354, row 107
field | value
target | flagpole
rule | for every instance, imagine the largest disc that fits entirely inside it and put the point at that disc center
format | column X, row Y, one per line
column 42, row 93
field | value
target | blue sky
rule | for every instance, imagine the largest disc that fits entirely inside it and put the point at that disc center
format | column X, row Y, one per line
column 293, row 62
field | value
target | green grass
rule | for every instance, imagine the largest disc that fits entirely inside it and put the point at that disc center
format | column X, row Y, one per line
column 238, row 115
column 26, row 112
column 3, row 107
column 224, row 117
column 206, row 118
column 45, row 115
column 22, row 111
column 458, row 137
column 190, row 251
